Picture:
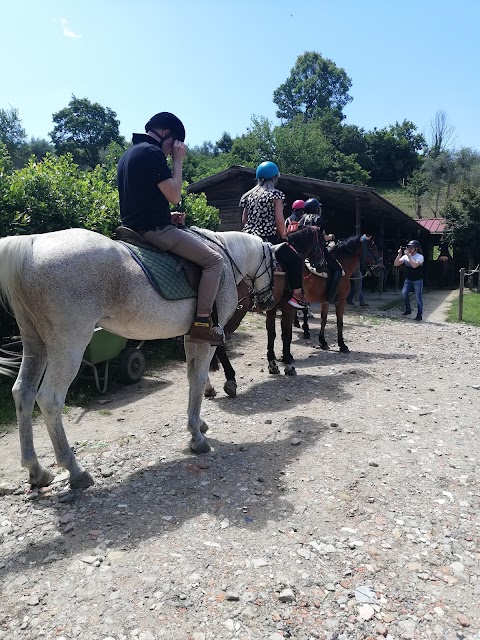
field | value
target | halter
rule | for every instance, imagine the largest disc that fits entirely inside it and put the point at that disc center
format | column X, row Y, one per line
column 366, row 253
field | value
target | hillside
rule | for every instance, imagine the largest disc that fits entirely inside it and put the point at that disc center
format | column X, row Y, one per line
column 397, row 195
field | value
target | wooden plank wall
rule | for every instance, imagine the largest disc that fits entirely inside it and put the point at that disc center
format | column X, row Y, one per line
column 226, row 196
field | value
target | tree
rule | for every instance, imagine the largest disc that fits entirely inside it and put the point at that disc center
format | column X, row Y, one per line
column 394, row 151
column 315, row 85
column 462, row 215
column 302, row 149
column 442, row 134
column 83, row 129
column 12, row 134
column 224, row 145
column 417, row 186
column 257, row 145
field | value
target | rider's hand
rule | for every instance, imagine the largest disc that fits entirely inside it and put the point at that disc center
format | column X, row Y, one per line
column 179, row 150
column 177, row 218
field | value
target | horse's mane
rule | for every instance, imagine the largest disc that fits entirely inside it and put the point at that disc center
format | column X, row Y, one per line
column 228, row 237
column 300, row 239
column 344, row 247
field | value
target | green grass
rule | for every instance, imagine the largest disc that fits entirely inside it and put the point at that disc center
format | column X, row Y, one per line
column 471, row 309
column 397, row 303
column 397, row 195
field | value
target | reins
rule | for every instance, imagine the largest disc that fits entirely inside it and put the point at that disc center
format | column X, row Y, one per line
column 260, row 294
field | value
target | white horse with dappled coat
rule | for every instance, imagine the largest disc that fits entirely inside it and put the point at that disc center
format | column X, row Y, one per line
column 61, row 285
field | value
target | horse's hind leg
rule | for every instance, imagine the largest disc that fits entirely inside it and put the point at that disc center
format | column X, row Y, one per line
column 287, row 320
column 24, row 392
column 63, row 364
column 305, row 327
column 198, row 357
column 230, row 386
column 340, row 309
column 321, row 336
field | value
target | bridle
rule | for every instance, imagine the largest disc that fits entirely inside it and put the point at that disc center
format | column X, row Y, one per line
column 264, row 294
column 369, row 254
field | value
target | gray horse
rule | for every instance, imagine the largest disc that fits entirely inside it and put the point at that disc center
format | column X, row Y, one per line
column 61, row 285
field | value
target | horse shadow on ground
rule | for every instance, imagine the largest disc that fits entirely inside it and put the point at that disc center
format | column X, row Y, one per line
column 244, row 482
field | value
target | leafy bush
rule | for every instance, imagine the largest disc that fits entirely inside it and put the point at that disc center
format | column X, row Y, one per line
column 197, row 211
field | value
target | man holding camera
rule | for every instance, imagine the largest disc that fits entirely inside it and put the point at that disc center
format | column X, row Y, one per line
column 411, row 256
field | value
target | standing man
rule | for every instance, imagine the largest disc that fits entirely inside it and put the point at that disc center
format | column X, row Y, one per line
column 146, row 186
column 413, row 260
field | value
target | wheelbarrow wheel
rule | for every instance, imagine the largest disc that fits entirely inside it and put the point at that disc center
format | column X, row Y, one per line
column 132, row 365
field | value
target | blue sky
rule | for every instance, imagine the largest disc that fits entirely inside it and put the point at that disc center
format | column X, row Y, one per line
column 215, row 64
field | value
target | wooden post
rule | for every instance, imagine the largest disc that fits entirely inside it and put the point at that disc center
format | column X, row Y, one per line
column 460, row 295
column 381, row 233
column 358, row 217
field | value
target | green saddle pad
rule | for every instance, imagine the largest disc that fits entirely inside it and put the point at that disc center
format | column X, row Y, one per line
column 164, row 271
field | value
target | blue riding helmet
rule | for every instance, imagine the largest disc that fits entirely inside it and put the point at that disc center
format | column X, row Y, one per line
column 267, row 170
column 414, row 243
column 312, row 205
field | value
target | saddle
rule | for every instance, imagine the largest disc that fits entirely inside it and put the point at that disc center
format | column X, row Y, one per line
column 173, row 277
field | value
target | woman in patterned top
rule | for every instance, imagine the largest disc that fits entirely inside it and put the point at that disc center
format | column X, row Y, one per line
column 262, row 216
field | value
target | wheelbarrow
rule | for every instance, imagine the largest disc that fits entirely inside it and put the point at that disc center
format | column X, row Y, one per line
column 103, row 347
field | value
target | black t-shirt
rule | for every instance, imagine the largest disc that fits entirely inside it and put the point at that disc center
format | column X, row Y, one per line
column 140, row 169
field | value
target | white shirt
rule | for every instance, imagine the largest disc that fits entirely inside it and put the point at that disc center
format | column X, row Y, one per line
column 416, row 257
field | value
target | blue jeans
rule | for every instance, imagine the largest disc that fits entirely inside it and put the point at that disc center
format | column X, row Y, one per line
column 408, row 287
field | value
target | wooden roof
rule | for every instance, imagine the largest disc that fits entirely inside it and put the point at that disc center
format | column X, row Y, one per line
column 337, row 198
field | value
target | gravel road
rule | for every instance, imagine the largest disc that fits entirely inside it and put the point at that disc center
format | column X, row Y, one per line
column 341, row 504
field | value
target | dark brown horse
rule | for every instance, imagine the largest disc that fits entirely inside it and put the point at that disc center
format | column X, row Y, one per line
column 305, row 242
column 349, row 253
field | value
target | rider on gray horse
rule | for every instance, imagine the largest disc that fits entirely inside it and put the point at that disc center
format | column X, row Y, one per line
column 146, row 187
column 313, row 216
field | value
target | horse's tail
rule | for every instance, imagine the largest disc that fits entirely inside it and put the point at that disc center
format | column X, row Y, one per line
column 14, row 252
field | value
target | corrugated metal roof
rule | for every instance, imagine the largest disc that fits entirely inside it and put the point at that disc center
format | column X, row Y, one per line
column 434, row 225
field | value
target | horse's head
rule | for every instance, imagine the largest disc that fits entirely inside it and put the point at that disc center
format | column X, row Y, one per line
column 370, row 256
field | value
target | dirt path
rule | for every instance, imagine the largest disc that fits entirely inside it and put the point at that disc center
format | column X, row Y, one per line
column 342, row 504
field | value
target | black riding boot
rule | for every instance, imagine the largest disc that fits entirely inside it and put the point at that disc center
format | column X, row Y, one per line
column 332, row 285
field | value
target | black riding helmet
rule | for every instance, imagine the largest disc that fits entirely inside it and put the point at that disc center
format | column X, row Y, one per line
column 166, row 120
column 312, row 205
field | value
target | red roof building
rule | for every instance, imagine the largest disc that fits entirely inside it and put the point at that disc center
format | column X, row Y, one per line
column 434, row 225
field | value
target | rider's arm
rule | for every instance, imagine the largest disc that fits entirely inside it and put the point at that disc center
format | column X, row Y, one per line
column 399, row 259
column 172, row 187
column 279, row 219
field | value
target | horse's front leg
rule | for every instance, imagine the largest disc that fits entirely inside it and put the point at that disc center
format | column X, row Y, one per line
column 340, row 309
column 305, row 327
column 288, row 313
column 271, row 335
column 198, row 357
column 321, row 337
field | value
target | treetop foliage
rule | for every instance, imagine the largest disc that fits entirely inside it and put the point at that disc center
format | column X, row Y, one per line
column 315, row 86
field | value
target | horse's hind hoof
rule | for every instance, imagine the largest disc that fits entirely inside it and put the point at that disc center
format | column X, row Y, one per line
column 273, row 368
column 344, row 349
column 210, row 393
column 230, row 388
column 290, row 371
column 82, row 481
column 325, row 347
column 42, row 480
column 201, row 447
column 306, row 336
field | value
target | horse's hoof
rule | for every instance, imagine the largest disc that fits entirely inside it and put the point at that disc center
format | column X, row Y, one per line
column 210, row 393
column 42, row 480
column 273, row 368
column 82, row 481
column 306, row 336
column 203, row 427
column 344, row 349
column 290, row 371
column 325, row 347
column 201, row 447
column 230, row 388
